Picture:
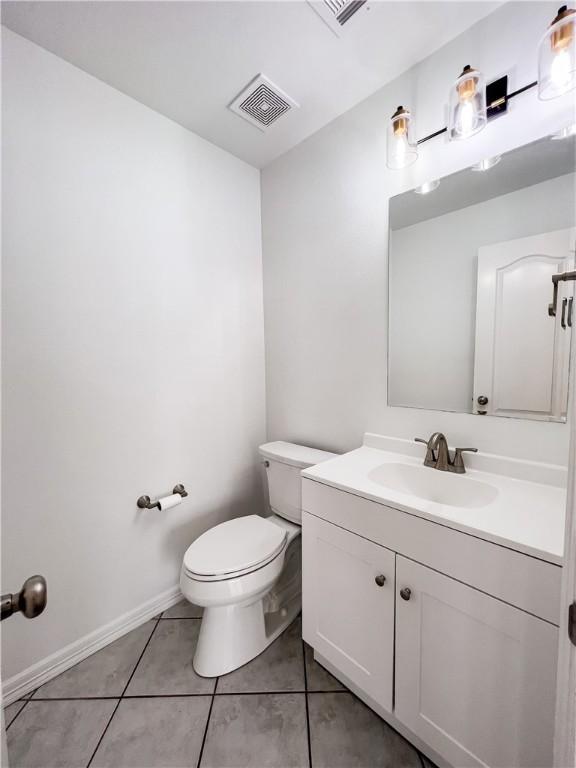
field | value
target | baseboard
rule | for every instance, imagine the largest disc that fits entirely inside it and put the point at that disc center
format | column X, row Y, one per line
column 38, row 674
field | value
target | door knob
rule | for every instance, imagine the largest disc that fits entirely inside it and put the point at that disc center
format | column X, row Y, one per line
column 405, row 593
column 380, row 580
column 31, row 600
column 482, row 401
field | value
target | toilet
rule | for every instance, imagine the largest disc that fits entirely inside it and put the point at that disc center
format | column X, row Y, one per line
column 246, row 572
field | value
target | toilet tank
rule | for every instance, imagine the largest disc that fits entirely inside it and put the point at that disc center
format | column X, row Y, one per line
column 284, row 462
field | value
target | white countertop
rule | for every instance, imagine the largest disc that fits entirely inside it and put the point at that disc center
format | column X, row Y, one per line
column 525, row 515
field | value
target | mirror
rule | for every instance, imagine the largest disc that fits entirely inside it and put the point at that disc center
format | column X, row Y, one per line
column 470, row 268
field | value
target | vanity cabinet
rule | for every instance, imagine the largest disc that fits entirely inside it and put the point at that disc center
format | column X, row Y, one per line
column 475, row 677
column 465, row 662
column 348, row 605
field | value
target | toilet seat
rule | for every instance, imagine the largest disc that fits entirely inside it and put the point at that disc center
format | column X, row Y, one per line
column 234, row 548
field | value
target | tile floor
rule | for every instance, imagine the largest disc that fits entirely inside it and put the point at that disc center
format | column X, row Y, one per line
column 139, row 704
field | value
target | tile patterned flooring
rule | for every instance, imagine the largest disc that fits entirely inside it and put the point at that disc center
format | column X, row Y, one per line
column 139, row 704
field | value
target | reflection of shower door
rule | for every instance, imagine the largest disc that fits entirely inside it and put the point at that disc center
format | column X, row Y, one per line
column 522, row 354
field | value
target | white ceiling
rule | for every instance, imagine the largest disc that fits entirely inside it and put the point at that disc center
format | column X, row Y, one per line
column 188, row 60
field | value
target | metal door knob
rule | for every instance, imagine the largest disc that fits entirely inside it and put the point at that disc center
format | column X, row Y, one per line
column 31, row 600
column 380, row 580
column 482, row 403
column 405, row 593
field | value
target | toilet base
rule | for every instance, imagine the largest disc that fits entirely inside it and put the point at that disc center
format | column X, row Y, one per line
column 232, row 635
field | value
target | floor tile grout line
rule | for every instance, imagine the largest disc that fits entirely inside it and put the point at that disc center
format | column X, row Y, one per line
column 201, row 753
column 306, row 704
column 29, row 695
column 422, row 761
column 275, row 693
column 140, row 659
column 103, row 733
column 186, row 695
column 340, row 691
column 77, row 698
column 26, row 702
column 122, row 694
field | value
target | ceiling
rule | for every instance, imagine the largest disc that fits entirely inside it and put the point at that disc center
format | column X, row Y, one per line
column 189, row 60
column 531, row 164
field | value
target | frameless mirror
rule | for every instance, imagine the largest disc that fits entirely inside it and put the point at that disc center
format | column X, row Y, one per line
column 470, row 280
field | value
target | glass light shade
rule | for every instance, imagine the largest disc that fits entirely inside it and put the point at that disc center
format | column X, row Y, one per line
column 402, row 150
column 427, row 187
column 467, row 105
column 557, row 56
column 486, row 164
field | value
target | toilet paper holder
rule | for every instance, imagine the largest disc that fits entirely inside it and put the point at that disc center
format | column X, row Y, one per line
column 144, row 502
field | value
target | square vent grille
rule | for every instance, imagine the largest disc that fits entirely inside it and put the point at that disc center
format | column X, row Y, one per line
column 262, row 103
column 337, row 13
column 344, row 9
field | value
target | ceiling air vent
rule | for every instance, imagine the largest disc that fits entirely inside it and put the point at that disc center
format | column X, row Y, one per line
column 262, row 103
column 337, row 13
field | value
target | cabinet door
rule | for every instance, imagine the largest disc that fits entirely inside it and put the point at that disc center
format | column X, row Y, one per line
column 348, row 612
column 475, row 677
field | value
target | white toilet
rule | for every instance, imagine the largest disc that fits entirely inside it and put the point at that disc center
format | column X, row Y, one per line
column 246, row 572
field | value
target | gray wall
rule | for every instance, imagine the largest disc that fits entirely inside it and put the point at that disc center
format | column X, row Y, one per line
column 325, row 231
column 133, row 346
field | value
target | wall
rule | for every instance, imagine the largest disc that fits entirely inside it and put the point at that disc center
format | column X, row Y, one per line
column 433, row 319
column 325, row 231
column 133, row 346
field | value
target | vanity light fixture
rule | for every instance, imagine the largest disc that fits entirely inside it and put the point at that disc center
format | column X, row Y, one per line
column 472, row 103
column 557, row 56
column 428, row 186
column 486, row 164
column 401, row 145
column 467, row 105
column 564, row 133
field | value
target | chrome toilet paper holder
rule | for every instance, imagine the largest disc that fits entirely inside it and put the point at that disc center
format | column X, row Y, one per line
column 144, row 502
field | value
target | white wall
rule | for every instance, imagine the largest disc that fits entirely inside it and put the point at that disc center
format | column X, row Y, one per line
column 433, row 319
column 325, row 231
column 133, row 346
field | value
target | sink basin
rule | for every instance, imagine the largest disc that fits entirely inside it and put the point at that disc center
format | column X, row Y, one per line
column 433, row 485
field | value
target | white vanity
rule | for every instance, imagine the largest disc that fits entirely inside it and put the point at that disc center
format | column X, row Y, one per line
column 435, row 596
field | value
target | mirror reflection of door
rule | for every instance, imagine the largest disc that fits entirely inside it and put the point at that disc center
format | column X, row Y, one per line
column 521, row 353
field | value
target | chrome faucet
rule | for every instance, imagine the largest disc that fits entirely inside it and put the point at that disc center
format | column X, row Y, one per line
column 438, row 455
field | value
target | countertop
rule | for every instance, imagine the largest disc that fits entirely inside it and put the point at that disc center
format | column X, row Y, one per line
column 525, row 515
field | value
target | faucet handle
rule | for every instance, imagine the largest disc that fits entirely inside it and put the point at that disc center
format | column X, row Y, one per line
column 430, row 459
column 458, row 462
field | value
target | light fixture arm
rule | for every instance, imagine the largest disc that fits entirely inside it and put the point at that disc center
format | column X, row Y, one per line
column 495, row 106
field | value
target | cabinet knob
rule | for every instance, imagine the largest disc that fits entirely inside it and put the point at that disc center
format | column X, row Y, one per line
column 380, row 580
column 405, row 593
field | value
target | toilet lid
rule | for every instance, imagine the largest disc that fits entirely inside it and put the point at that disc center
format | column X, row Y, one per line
column 235, row 545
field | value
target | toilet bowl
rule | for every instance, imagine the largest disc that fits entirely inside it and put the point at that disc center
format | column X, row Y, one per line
column 246, row 572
